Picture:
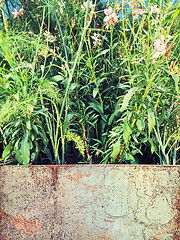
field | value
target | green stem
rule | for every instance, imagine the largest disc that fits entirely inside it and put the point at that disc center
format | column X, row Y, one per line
column 72, row 73
column 111, row 46
column 64, row 45
column 3, row 15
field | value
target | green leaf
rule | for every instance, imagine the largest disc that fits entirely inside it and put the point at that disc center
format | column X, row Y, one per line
column 102, row 53
column 58, row 78
column 73, row 86
column 28, row 124
column 97, row 107
column 127, row 98
column 16, row 96
column 151, row 120
column 112, row 117
column 131, row 158
column 161, row 117
column 115, row 44
column 159, row 88
column 140, row 124
column 126, row 131
column 7, row 151
column 155, row 2
column 30, row 107
column 153, row 147
column 95, row 91
column 166, row 1
column 47, row 151
column 176, row 80
column 68, row 118
column 176, row 14
column 41, row 111
column 122, row 86
column 35, row 128
column 23, row 153
column 115, row 151
column 167, row 19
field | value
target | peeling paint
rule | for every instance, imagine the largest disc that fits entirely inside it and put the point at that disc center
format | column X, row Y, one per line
column 21, row 223
column 112, row 202
column 176, row 233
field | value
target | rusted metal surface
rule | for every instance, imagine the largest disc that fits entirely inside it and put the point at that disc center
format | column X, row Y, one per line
column 115, row 202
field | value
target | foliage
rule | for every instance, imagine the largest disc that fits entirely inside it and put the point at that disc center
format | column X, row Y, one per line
column 102, row 78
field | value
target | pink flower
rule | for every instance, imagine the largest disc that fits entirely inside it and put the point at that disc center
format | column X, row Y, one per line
column 155, row 56
column 84, row 6
column 21, row 11
column 154, row 9
column 160, row 45
column 97, row 40
column 141, row 11
column 138, row 12
column 15, row 13
column 108, row 11
column 111, row 17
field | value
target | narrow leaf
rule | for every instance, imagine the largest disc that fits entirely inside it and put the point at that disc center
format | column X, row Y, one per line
column 95, row 91
column 126, row 131
column 115, row 151
column 151, row 120
column 102, row 52
column 127, row 98
column 7, row 151
column 176, row 80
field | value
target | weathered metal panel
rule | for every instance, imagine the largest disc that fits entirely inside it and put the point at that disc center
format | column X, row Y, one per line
column 112, row 202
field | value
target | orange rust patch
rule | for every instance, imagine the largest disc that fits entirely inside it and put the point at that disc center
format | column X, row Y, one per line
column 76, row 177
column 105, row 237
column 54, row 167
column 38, row 178
column 176, row 234
column 63, row 194
column 39, row 181
column 21, row 223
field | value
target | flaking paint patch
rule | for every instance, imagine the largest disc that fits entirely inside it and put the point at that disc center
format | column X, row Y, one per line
column 29, row 227
column 176, row 234
column 62, row 204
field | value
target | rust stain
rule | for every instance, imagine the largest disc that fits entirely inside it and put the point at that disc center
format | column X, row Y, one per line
column 38, row 177
column 87, row 175
column 76, row 177
column 39, row 181
column 176, row 234
column 44, row 180
column 174, row 223
column 21, row 223
column 54, row 174
column 105, row 237
column 66, row 167
column 63, row 194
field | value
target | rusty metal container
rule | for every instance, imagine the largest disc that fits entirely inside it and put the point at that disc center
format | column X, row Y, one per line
column 83, row 202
